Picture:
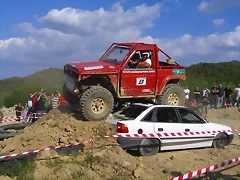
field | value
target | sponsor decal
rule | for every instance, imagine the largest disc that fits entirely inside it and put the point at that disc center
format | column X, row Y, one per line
column 141, row 81
column 145, row 71
column 93, row 67
column 146, row 90
column 178, row 71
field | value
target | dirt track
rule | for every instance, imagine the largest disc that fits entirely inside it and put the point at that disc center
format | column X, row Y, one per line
column 108, row 161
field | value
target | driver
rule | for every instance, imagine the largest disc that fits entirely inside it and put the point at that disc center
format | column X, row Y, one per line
column 145, row 62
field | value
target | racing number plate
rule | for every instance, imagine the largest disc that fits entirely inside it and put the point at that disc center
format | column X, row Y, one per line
column 70, row 83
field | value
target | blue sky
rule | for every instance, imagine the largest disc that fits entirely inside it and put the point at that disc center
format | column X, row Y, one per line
column 39, row 34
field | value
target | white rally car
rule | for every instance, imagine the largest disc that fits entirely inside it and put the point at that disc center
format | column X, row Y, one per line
column 147, row 118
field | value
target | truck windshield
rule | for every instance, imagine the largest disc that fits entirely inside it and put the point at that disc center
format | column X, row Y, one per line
column 116, row 54
column 132, row 112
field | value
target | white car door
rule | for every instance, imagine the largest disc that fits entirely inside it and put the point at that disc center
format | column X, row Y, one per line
column 191, row 122
column 166, row 122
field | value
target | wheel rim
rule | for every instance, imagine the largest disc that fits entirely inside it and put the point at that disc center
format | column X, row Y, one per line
column 221, row 142
column 148, row 146
column 98, row 105
column 173, row 99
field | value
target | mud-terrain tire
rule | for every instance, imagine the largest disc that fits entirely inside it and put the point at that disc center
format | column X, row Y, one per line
column 96, row 103
column 149, row 147
column 220, row 141
column 173, row 94
column 69, row 97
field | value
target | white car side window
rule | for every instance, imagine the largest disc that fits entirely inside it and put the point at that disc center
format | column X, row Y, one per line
column 188, row 117
column 167, row 115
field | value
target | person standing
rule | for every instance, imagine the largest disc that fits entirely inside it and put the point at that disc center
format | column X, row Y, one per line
column 228, row 93
column 214, row 91
column 205, row 103
column 41, row 100
column 18, row 110
column 221, row 94
column 205, row 91
column 237, row 101
column 187, row 92
column 55, row 101
column 197, row 95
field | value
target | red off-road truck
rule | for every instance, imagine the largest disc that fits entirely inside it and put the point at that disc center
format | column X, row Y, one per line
column 96, row 86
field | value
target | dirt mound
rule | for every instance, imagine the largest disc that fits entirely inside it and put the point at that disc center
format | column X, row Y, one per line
column 233, row 114
column 54, row 129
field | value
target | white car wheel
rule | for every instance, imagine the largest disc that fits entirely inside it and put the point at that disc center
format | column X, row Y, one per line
column 149, row 147
column 220, row 140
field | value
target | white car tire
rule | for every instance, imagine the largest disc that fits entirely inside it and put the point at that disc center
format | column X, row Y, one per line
column 220, row 141
column 149, row 147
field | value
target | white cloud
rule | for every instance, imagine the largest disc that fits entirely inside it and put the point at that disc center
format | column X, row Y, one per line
column 213, row 6
column 218, row 22
column 76, row 35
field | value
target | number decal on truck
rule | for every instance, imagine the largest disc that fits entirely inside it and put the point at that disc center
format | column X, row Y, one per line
column 141, row 81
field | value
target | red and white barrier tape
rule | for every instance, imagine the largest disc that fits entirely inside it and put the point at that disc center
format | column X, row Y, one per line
column 14, row 118
column 205, row 170
column 151, row 135
column 43, row 149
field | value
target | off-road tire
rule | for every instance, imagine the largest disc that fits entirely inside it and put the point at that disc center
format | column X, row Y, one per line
column 168, row 90
column 70, row 98
column 87, row 98
column 220, row 141
column 149, row 147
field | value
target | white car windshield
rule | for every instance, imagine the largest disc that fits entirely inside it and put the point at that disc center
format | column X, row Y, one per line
column 131, row 112
column 116, row 54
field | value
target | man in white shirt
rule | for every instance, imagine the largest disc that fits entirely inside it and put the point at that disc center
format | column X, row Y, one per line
column 187, row 92
column 237, row 102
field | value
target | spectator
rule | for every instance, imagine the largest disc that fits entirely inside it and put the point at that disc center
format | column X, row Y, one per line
column 205, row 103
column 221, row 94
column 197, row 95
column 41, row 100
column 228, row 103
column 18, row 110
column 56, row 91
column 206, row 91
column 41, row 91
column 214, row 91
column 29, row 105
column 195, row 107
column 187, row 92
column 237, row 101
column 228, row 93
column 55, row 101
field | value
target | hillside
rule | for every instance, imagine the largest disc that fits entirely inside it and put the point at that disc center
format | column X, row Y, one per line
column 201, row 75
column 52, row 77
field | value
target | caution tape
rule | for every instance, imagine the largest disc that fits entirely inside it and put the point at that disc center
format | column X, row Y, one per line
column 43, row 149
column 205, row 170
column 179, row 134
column 14, row 118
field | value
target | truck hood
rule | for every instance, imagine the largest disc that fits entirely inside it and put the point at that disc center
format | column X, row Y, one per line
column 95, row 66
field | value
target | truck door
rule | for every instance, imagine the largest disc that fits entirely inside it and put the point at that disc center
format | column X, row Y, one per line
column 138, row 81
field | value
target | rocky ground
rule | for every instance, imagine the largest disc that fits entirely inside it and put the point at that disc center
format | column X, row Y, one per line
column 104, row 159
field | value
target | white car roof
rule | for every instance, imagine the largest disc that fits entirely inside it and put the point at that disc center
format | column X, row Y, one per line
column 153, row 105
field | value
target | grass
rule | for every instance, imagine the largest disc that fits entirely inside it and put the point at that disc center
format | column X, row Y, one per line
column 21, row 169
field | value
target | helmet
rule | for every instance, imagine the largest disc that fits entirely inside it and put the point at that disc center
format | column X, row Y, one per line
column 145, row 53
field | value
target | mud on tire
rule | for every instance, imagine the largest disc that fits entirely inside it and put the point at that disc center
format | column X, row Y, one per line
column 173, row 94
column 96, row 103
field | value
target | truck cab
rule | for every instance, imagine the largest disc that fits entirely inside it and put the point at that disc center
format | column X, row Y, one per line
column 114, row 78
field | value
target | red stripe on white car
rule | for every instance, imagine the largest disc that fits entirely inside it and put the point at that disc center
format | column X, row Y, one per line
column 150, row 135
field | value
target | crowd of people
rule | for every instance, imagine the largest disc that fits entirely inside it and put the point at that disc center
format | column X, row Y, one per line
column 217, row 97
column 38, row 104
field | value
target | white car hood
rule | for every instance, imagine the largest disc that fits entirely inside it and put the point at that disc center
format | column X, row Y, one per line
column 218, row 127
